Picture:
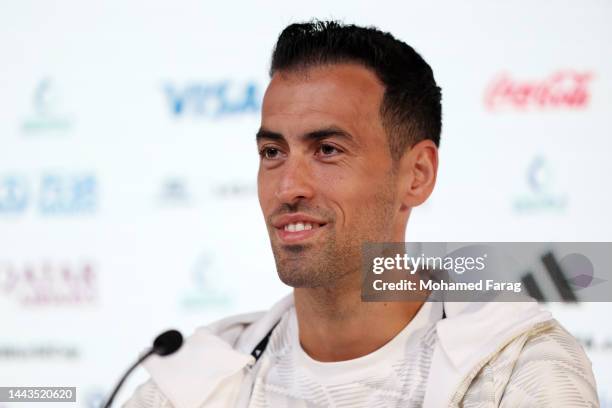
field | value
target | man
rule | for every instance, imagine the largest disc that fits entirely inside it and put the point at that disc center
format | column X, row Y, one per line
column 348, row 142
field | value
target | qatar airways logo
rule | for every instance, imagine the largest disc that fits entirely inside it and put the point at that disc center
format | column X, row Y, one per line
column 565, row 89
column 42, row 283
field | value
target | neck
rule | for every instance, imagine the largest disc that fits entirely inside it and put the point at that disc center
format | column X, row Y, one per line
column 335, row 325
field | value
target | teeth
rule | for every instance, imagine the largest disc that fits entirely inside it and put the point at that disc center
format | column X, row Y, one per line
column 299, row 226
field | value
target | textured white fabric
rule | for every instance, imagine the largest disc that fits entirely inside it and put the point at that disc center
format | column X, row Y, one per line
column 510, row 355
column 395, row 375
column 545, row 369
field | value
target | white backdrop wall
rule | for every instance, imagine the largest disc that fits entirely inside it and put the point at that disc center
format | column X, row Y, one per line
column 128, row 163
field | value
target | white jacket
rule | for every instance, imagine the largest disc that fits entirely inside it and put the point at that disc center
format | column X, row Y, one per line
column 487, row 355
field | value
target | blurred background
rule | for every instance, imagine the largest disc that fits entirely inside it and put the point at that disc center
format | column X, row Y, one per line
column 128, row 200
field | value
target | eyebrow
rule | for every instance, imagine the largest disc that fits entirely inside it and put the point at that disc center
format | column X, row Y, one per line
column 310, row 136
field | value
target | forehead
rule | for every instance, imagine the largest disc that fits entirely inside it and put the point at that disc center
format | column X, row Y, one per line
column 343, row 95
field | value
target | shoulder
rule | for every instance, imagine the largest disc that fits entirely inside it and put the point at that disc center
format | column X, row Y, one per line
column 553, row 370
column 545, row 368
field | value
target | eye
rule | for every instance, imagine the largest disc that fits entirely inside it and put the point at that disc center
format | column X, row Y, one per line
column 269, row 153
column 328, row 150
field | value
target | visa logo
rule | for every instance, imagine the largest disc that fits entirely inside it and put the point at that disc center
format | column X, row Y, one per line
column 213, row 100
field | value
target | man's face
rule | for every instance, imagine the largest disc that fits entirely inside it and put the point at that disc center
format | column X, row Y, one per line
column 325, row 180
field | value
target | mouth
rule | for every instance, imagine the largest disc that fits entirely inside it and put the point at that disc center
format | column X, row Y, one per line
column 295, row 229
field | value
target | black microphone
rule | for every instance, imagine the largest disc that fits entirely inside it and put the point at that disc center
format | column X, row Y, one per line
column 165, row 344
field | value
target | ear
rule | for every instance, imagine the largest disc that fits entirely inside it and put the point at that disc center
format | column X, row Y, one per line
column 418, row 171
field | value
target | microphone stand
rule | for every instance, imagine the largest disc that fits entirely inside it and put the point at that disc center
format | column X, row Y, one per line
column 125, row 376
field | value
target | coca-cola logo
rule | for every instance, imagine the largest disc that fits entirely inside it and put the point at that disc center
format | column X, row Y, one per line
column 563, row 89
column 48, row 282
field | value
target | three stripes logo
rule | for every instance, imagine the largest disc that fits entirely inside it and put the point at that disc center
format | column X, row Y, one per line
column 572, row 273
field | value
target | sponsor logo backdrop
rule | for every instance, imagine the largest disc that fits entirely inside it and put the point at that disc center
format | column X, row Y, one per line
column 128, row 202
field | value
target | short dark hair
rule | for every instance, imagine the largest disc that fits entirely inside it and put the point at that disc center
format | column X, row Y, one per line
column 411, row 109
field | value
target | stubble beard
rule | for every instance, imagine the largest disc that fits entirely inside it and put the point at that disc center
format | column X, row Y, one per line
column 336, row 264
column 310, row 266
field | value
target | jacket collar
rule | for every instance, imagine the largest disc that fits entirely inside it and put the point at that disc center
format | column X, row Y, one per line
column 189, row 376
column 469, row 337
column 475, row 330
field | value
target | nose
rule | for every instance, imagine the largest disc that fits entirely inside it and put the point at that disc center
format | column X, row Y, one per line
column 295, row 182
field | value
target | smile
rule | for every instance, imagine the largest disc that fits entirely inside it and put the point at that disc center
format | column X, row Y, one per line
column 297, row 228
column 300, row 226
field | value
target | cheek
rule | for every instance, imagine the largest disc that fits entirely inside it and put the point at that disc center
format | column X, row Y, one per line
column 347, row 193
column 360, row 200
